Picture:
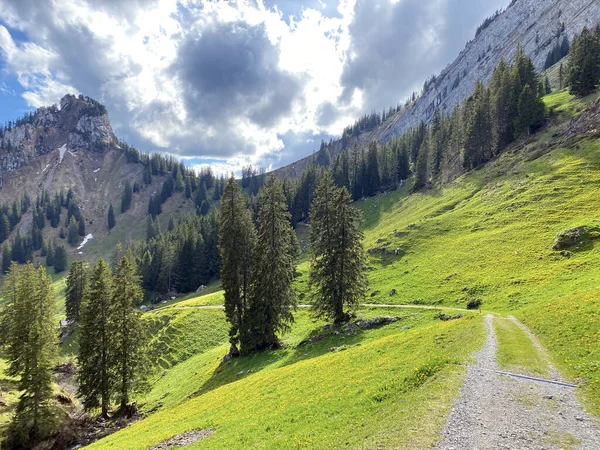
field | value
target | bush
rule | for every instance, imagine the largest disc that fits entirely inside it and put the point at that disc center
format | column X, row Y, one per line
column 474, row 303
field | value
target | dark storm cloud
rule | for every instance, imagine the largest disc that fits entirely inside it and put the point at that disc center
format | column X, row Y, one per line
column 231, row 70
column 396, row 46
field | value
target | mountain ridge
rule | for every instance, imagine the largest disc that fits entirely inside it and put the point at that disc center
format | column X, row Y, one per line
column 536, row 25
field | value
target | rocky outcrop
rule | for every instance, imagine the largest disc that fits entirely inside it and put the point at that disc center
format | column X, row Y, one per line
column 537, row 25
column 79, row 124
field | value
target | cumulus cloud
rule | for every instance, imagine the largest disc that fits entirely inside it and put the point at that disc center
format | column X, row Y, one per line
column 396, row 45
column 236, row 82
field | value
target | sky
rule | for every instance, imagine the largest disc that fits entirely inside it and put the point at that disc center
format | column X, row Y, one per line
column 229, row 83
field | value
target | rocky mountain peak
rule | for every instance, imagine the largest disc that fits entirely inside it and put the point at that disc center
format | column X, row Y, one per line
column 79, row 123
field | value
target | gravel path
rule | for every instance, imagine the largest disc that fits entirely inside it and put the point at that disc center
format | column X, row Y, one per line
column 499, row 412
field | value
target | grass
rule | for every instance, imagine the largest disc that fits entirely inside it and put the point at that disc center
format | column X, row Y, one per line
column 515, row 351
column 390, row 387
column 10, row 395
column 489, row 235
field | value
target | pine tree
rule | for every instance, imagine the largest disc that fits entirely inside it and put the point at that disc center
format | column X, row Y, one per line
column 96, row 342
column 402, row 165
column 561, row 76
column 128, row 332
column 272, row 297
column 237, row 239
column 126, row 197
column 73, row 233
column 531, row 111
column 547, row 86
column 338, row 262
column 31, row 353
column 75, row 290
column 6, row 257
column 81, row 226
column 373, row 181
column 111, row 217
column 50, row 256
column 60, row 259
column 584, row 63
column 421, row 169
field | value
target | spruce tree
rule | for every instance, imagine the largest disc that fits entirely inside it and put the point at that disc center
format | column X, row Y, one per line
column 96, row 342
column 50, row 256
column 584, row 63
column 60, row 259
column 547, row 86
column 81, row 226
column 237, row 239
column 531, row 111
column 75, row 290
column 128, row 332
column 126, row 197
column 73, row 233
column 337, row 268
column 31, row 353
column 272, row 297
column 111, row 217
column 373, row 180
column 561, row 76
column 6, row 257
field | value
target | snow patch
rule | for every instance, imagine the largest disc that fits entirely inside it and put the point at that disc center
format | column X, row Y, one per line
column 97, row 170
column 46, row 168
column 85, row 241
column 62, row 151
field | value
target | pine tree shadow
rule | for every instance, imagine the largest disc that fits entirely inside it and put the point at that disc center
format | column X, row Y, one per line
column 316, row 343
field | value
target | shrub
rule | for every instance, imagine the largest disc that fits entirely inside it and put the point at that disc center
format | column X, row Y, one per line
column 474, row 303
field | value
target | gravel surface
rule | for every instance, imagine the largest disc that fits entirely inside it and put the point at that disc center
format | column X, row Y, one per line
column 182, row 440
column 499, row 412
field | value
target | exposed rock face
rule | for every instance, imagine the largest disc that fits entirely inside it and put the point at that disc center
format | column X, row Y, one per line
column 535, row 24
column 80, row 124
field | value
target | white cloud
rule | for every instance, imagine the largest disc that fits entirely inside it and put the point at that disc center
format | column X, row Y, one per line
column 132, row 56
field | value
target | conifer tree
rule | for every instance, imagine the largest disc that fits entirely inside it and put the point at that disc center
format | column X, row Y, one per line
column 128, row 333
column 6, row 257
column 237, row 239
column 81, row 226
column 421, row 169
column 73, row 233
column 584, row 63
column 75, row 290
column 126, row 197
column 96, row 342
column 272, row 297
column 111, row 217
column 60, row 259
column 50, row 255
column 338, row 262
column 531, row 111
column 561, row 76
column 547, row 86
column 373, row 180
column 31, row 353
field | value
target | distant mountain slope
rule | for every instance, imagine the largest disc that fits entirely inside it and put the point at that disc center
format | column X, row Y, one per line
column 72, row 146
column 535, row 24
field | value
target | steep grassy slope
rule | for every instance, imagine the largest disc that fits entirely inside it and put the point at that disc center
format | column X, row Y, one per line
column 389, row 387
column 488, row 235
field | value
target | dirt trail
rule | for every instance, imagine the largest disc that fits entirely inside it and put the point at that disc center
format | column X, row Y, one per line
column 496, row 411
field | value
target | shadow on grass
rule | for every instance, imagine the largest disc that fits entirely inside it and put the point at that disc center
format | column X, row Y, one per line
column 235, row 369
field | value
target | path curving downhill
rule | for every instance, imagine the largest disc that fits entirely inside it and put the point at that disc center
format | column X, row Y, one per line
column 496, row 411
